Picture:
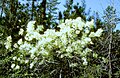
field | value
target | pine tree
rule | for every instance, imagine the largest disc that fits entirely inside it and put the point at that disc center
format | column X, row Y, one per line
column 110, row 23
column 12, row 19
column 68, row 11
column 73, row 11
column 105, row 46
column 52, row 15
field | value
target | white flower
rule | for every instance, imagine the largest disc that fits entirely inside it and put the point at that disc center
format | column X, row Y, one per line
column 18, row 26
column 95, row 55
column 48, row 39
column 42, row 42
column 44, row 53
column 17, row 67
column 58, row 33
column 73, row 64
column 87, row 50
column 50, row 33
column 30, row 26
column 69, row 49
column 87, row 31
column 7, row 45
column 20, row 42
column 36, row 35
column 31, row 65
column 15, row 45
column 13, row 65
column 25, row 46
column 84, row 61
column 62, row 25
column 77, row 32
column 32, row 56
column 14, row 58
column 19, row 20
column 9, row 39
column 83, row 43
column 90, row 24
column 64, row 39
column 39, row 28
column 31, row 23
column 87, row 39
column 92, row 34
column 81, row 25
column 21, row 31
column 68, row 21
column 18, row 59
column 66, row 29
column 79, row 19
column 33, row 50
column 26, row 61
column 98, row 32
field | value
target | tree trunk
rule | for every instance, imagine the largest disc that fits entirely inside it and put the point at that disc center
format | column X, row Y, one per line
column 44, row 13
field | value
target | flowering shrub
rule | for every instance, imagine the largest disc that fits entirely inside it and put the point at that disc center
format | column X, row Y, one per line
column 70, row 41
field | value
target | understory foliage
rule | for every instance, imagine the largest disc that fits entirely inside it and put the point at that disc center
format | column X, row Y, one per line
column 54, row 53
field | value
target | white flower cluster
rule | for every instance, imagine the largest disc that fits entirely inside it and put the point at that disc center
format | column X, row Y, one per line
column 96, row 34
column 8, row 42
column 15, row 67
column 73, row 38
column 33, row 33
column 21, row 31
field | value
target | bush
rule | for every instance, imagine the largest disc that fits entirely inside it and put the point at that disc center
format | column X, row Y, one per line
column 56, row 53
